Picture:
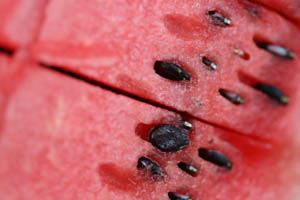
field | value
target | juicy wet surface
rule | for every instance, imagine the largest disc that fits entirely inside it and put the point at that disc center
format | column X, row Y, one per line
column 183, row 33
column 80, row 135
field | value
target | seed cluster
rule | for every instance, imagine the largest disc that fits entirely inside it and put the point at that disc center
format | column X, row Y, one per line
column 172, row 138
column 175, row 72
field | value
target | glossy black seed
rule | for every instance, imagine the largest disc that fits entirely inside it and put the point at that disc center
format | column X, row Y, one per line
column 215, row 157
column 168, row 138
column 218, row 19
column 153, row 167
column 273, row 93
column 209, row 63
column 176, row 196
column 190, row 169
column 233, row 98
column 277, row 50
column 171, row 71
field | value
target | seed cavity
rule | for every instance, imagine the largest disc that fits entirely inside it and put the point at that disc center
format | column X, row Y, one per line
column 218, row 19
column 187, row 125
column 168, row 138
column 176, row 196
column 6, row 51
column 232, row 97
column 242, row 54
column 215, row 157
column 274, row 93
column 189, row 169
column 152, row 167
column 171, row 71
column 277, row 50
column 209, row 63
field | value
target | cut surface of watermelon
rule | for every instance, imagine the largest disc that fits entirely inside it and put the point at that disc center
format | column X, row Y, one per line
column 19, row 22
column 88, row 110
column 83, row 142
column 4, row 62
column 288, row 8
column 117, row 43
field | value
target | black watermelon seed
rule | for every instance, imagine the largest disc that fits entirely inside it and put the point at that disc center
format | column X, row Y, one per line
column 168, row 138
column 209, row 63
column 171, row 71
column 215, row 157
column 233, row 98
column 277, row 50
column 187, row 125
column 190, row 169
column 218, row 19
column 273, row 93
column 176, row 196
column 153, row 167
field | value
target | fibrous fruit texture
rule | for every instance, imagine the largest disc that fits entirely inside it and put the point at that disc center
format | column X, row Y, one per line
column 178, row 100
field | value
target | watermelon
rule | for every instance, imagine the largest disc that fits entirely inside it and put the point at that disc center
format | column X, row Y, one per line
column 118, row 43
column 150, row 100
column 65, row 139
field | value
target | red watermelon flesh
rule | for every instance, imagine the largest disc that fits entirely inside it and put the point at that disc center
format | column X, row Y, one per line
column 9, row 76
column 19, row 22
column 117, row 43
column 62, row 138
column 288, row 8
column 65, row 139
column 4, row 62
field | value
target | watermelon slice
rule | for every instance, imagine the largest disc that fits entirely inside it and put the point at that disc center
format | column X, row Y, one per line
column 65, row 139
column 19, row 22
column 150, row 100
column 117, row 44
